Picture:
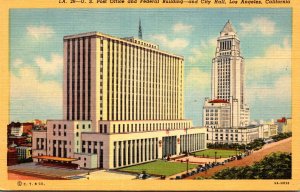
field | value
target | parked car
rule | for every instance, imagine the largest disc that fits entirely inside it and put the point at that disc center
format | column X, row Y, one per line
column 143, row 176
column 178, row 177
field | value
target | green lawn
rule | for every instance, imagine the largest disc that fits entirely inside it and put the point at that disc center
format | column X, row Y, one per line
column 220, row 152
column 159, row 167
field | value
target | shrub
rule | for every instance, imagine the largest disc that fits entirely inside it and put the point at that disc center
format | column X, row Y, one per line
column 273, row 166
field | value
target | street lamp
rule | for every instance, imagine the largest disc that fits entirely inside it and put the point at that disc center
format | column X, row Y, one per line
column 215, row 157
column 186, row 142
column 187, row 165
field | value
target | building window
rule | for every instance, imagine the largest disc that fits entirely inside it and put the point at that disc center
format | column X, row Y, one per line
column 105, row 128
column 77, row 134
column 101, row 127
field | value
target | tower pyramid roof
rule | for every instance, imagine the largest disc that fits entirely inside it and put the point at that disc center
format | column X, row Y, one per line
column 228, row 28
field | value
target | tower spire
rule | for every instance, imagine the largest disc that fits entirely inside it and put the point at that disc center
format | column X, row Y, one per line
column 140, row 29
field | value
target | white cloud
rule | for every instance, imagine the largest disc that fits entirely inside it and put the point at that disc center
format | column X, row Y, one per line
column 17, row 63
column 276, row 59
column 203, row 51
column 27, row 87
column 40, row 32
column 177, row 43
column 279, row 91
column 182, row 28
column 262, row 24
column 197, row 87
column 51, row 67
column 197, row 79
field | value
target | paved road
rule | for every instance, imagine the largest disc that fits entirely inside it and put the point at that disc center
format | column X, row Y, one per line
column 283, row 146
column 17, row 176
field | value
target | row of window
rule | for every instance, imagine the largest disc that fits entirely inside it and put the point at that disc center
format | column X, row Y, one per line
column 73, row 78
column 134, row 61
column 139, row 127
column 225, row 45
column 225, row 53
column 41, row 143
column 91, row 146
column 212, row 114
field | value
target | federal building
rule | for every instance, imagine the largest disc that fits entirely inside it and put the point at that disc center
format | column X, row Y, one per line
column 123, row 104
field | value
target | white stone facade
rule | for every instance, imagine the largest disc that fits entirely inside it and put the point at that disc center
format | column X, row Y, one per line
column 123, row 105
column 241, row 135
column 226, row 108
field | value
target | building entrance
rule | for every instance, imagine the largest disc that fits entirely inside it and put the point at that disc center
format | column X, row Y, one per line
column 168, row 146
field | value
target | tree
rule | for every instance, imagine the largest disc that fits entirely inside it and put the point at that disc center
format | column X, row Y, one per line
column 273, row 166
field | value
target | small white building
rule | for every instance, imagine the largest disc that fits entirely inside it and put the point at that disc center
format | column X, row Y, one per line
column 16, row 131
column 241, row 135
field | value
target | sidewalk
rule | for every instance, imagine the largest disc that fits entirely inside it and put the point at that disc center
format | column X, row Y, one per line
column 195, row 160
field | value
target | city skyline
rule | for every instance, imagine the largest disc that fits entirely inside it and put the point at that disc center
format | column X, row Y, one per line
column 38, row 64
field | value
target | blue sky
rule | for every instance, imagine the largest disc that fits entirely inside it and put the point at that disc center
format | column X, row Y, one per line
column 36, row 53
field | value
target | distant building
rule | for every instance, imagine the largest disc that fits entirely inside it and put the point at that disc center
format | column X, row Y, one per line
column 267, row 130
column 24, row 152
column 18, row 129
column 241, row 135
column 18, row 140
column 27, row 127
column 12, row 156
column 284, row 125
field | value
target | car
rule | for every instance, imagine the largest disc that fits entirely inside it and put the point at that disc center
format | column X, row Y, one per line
column 143, row 176
column 178, row 177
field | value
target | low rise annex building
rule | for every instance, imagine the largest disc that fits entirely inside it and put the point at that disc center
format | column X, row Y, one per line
column 123, row 105
column 241, row 135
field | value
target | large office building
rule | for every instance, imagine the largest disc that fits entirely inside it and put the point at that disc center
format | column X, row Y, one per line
column 226, row 108
column 123, row 104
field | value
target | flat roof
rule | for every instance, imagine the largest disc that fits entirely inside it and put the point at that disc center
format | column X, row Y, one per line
column 95, row 33
column 55, row 158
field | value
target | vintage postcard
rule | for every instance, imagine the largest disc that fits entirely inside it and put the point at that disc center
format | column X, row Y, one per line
column 155, row 95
